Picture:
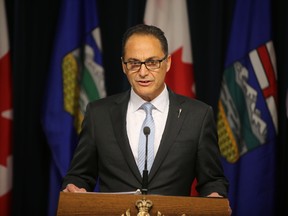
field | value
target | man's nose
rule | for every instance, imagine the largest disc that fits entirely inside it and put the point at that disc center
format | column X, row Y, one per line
column 143, row 71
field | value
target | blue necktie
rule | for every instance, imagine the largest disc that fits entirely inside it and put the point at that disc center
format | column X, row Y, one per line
column 148, row 122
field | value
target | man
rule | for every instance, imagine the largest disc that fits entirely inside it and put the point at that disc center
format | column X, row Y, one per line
column 184, row 132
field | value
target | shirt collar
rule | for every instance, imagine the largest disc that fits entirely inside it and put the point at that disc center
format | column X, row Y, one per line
column 160, row 102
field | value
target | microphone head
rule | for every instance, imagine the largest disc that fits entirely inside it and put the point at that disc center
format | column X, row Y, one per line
column 146, row 130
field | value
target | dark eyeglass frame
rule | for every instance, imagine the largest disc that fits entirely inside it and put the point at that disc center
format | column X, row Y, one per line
column 159, row 61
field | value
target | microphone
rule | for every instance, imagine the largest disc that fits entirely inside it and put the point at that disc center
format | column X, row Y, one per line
column 146, row 131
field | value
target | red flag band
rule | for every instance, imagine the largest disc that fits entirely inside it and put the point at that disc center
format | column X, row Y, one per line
column 5, row 117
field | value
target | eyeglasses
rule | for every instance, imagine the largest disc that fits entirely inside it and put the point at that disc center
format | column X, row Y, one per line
column 150, row 64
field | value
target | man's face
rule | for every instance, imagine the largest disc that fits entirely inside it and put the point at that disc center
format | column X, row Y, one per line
column 148, row 84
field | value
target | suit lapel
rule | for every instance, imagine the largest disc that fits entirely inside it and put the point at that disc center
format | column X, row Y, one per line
column 175, row 118
column 118, row 114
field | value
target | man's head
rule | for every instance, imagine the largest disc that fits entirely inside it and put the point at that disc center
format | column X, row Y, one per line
column 144, row 43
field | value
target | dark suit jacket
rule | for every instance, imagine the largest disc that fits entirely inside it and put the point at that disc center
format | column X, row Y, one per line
column 188, row 149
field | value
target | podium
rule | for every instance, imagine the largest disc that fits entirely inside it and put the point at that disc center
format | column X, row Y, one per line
column 99, row 204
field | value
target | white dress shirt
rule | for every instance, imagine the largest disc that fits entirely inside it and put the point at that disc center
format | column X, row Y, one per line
column 136, row 116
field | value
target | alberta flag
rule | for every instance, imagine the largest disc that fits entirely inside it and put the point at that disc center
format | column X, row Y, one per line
column 76, row 77
column 247, row 117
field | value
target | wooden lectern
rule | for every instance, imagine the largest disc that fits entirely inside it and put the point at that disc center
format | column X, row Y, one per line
column 99, row 204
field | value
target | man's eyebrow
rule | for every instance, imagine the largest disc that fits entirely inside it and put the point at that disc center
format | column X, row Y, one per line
column 150, row 58
column 133, row 59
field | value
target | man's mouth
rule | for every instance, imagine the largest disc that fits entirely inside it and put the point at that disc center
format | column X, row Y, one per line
column 144, row 82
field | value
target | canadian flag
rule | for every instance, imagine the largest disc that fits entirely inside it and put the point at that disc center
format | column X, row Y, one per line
column 172, row 17
column 5, row 117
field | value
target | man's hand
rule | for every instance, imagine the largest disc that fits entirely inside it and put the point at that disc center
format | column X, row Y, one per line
column 214, row 194
column 74, row 189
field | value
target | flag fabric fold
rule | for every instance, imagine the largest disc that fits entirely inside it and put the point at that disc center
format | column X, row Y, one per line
column 76, row 76
column 247, row 114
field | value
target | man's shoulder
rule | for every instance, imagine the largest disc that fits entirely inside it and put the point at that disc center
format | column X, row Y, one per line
column 188, row 101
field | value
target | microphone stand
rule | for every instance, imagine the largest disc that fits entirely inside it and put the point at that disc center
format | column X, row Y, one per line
column 146, row 131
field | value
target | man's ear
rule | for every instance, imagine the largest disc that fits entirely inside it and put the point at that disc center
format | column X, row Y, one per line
column 169, row 61
column 123, row 66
